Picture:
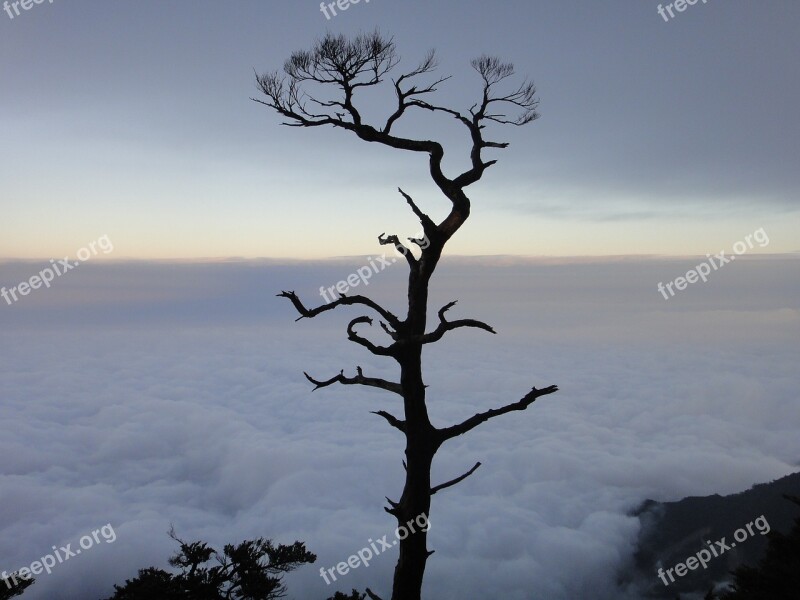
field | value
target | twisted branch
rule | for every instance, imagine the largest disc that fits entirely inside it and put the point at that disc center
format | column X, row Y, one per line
column 354, row 337
column 342, row 300
column 393, row 240
column 445, row 325
column 359, row 379
column 450, row 432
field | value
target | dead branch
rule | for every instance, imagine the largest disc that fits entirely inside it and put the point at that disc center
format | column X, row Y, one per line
column 342, row 300
column 392, row 420
column 445, row 325
column 454, row 431
column 354, row 337
column 453, row 482
column 359, row 379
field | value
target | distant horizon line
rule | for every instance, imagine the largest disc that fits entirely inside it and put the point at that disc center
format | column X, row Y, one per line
column 511, row 258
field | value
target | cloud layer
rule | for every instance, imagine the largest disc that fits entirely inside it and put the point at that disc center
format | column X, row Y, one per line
column 145, row 395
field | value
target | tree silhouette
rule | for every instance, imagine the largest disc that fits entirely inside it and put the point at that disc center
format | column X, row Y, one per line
column 354, row 595
column 345, row 66
column 251, row 570
column 13, row 585
column 777, row 576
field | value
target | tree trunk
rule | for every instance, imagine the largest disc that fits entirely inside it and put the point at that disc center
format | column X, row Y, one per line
column 415, row 502
column 421, row 440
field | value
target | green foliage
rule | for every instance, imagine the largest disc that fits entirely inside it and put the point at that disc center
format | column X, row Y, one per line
column 251, row 570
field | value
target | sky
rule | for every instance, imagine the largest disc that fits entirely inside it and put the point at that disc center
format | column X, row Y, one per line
column 157, row 380
column 135, row 120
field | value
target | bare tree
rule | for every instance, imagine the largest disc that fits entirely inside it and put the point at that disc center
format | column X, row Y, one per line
column 318, row 88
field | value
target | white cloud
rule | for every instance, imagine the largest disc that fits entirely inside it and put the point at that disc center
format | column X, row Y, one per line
column 189, row 407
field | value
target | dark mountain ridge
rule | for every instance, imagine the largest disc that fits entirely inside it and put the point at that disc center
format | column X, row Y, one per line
column 733, row 527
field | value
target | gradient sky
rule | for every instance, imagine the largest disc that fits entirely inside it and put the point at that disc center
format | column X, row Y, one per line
column 149, row 393
column 133, row 120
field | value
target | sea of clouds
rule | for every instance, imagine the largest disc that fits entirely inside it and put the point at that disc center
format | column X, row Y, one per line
column 151, row 394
